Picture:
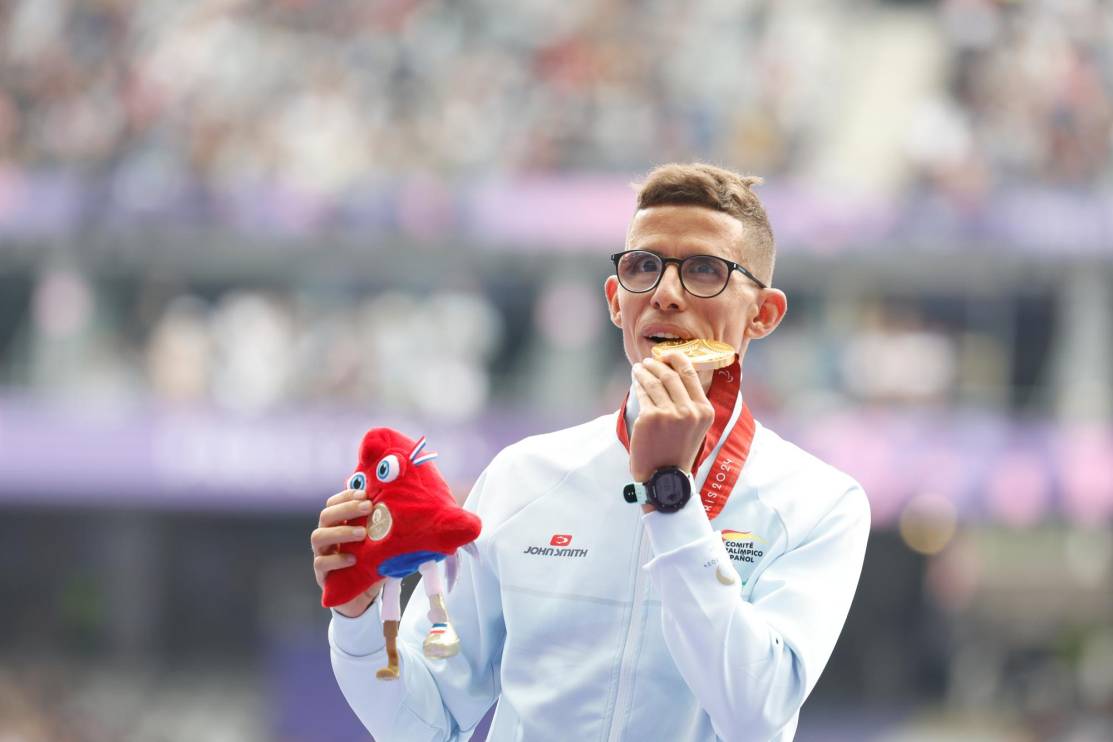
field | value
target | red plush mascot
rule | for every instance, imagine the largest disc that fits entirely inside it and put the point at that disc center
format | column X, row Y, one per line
column 414, row 523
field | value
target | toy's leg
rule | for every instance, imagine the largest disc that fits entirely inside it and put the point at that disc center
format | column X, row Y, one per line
column 442, row 640
column 392, row 614
column 434, row 588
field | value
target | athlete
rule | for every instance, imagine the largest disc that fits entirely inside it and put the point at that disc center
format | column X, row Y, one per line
column 707, row 612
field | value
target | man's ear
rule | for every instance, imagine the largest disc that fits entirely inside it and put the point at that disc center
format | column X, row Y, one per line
column 769, row 313
column 610, row 291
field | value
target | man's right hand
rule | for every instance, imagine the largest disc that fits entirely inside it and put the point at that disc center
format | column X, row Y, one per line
column 326, row 540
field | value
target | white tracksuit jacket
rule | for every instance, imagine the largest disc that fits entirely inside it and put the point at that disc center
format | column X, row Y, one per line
column 631, row 630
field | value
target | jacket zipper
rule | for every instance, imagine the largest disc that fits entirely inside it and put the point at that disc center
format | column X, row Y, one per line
column 633, row 641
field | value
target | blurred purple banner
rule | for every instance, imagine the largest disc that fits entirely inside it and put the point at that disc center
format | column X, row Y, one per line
column 991, row 469
column 571, row 212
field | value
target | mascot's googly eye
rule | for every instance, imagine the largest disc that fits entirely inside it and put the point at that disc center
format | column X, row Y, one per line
column 388, row 469
column 357, row 481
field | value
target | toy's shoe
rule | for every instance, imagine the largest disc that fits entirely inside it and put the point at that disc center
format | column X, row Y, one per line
column 441, row 642
column 390, row 672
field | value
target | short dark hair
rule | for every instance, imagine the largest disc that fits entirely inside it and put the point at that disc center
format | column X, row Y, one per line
column 700, row 184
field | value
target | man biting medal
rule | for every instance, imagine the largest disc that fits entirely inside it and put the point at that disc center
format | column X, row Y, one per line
column 706, row 613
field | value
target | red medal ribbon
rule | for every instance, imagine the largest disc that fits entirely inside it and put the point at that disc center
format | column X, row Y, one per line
column 724, row 471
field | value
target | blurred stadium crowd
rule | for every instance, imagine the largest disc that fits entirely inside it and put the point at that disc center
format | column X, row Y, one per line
column 968, row 384
column 64, row 701
column 328, row 95
column 251, row 351
column 257, row 350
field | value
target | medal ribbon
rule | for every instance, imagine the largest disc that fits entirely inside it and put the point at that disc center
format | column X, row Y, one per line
column 724, row 471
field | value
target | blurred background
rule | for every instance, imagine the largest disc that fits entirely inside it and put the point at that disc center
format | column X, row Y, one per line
column 235, row 234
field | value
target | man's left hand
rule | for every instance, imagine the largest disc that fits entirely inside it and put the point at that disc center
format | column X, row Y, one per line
column 673, row 417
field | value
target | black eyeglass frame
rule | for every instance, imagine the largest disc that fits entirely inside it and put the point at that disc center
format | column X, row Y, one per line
column 680, row 271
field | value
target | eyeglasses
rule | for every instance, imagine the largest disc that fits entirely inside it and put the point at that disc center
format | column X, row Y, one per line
column 704, row 276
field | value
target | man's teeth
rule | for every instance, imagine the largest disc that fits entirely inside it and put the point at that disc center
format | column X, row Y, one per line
column 665, row 336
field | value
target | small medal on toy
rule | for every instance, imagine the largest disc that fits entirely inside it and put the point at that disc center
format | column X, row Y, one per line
column 414, row 524
column 705, row 355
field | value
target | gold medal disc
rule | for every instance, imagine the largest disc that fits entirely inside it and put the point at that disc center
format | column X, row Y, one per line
column 705, row 355
column 378, row 525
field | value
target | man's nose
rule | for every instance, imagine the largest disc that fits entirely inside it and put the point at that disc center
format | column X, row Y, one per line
column 669, row 292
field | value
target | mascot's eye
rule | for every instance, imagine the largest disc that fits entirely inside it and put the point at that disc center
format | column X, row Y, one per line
column 357, row 481
column 388, row 469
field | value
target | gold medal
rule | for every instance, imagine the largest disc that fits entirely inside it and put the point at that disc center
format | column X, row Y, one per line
column 378, row 525
column 705, row 355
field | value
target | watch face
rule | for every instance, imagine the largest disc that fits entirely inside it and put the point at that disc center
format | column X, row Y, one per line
column 670, row 490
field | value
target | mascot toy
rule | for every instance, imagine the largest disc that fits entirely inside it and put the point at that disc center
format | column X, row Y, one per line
column 414, row 524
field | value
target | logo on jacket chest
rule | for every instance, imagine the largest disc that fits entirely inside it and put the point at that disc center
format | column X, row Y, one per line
column 560, row 545
column 744, row 546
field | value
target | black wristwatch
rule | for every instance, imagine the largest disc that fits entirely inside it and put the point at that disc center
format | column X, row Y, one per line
column 668, row 490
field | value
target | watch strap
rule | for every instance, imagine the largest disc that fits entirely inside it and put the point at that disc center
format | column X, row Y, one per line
column 635, row 493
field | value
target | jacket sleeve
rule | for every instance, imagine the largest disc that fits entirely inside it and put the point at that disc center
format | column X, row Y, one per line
column 433, row 699
column 752, row 663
